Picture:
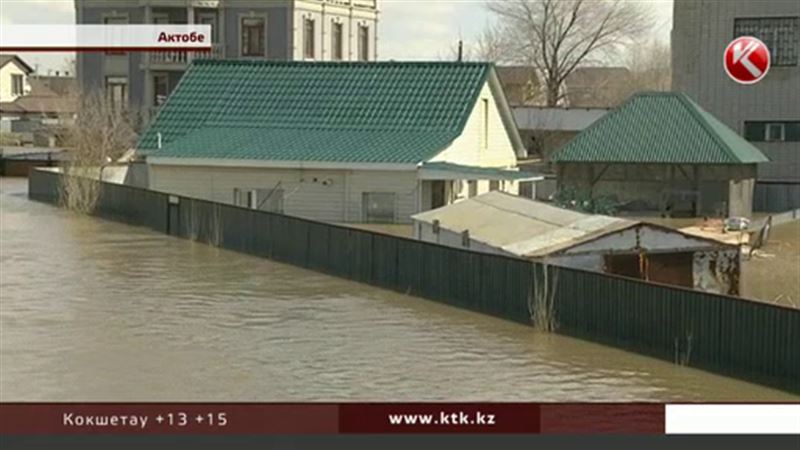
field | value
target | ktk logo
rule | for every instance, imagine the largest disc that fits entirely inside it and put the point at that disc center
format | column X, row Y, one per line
column 746, row 60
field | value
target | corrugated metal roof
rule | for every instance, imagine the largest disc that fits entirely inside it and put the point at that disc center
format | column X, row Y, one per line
column 480, row 173
column 356, row 112
column 521, row 226
column 659, row 127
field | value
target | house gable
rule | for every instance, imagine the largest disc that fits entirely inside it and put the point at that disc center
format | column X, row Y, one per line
column 495, row 145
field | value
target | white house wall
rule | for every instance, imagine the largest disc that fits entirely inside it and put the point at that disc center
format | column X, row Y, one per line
column 323, row 15
column 326, row 195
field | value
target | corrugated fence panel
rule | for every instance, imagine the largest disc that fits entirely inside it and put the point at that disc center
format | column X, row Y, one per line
column 737, row 337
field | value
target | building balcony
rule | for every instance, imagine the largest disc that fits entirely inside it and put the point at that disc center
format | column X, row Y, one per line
column 179, row 59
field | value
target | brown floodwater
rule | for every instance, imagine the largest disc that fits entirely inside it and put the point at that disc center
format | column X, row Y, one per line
column 92, row 310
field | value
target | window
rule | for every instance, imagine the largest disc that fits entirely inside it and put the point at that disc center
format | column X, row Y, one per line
column 473, row 188
column 363, row 43
column 253, row 36
column 337, row 51
column 308, row 39
column 379, row 207
column 117, row 92
column 17, row 84
column 115, row 20
column 269, row 200
column 160, row 88
column 760, row 131
column 485, row 123
column 208, row 18
column 780, row 34
column 494, row 185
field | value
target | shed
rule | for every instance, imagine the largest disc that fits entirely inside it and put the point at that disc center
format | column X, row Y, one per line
column 660, row 152
column 510, row 225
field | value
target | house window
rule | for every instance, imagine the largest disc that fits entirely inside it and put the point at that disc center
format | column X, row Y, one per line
column 473, row 188
column 308, row 39
column 760, row 131
column 484, row 123
column 379, row 207
column 269, row 200
column 780, row 34
column 337, row 51
column 253, row 36
column 363, row 43
column 160, row 88
column 17, row 84
column 494, row 185
column 117, row 92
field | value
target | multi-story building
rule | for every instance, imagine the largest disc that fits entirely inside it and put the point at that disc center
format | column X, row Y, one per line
column 766, row 113
column 298, row 30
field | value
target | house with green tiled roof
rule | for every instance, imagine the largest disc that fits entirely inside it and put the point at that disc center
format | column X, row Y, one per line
column 338, row 142
column 659, row 152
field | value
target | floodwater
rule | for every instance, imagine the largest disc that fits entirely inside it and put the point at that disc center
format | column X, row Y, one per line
column 92, row 310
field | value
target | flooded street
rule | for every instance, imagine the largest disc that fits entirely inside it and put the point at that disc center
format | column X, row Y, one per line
column 92, row 310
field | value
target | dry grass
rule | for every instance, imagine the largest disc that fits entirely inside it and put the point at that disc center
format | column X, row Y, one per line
column 541, row 305
column 772, row 275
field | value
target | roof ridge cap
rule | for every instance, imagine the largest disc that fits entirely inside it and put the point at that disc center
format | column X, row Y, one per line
column 694, row 110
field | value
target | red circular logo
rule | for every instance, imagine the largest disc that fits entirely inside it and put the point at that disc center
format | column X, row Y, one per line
column 746, row 60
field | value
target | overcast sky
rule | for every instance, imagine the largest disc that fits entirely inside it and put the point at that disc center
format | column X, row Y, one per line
column 408, row 29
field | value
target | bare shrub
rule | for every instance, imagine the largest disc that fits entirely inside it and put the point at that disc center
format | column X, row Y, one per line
column 100, row 134
column 541, row 299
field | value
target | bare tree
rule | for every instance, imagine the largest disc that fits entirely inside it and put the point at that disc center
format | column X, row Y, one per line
column 651, row 66
column 557, row 36
column 100, row 133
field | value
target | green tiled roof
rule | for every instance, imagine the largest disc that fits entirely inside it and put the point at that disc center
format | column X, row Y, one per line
column 659, row 127
column 397, row 112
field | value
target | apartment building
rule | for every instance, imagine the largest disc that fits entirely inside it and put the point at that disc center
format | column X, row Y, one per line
column 766, row 113
column 288, row 30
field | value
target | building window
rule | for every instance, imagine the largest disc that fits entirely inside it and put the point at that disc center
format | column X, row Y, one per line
column 115, row 20
column 208, row 18
column 308, row 39
column 780, row 34
column 494, row 185
column 485, row 123
column 117, row 92
column 775, row 131
column 253, row 36
column 160, row 88
column 270, row 200
column 363, row 43
column 473, row 188
column 17, row 84
column 337, row 50
column 379, row 207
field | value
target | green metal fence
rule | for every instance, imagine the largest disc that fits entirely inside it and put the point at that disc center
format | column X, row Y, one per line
column 736, row 337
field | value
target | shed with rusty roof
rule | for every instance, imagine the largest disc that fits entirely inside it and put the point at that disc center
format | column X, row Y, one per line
column 510, row 225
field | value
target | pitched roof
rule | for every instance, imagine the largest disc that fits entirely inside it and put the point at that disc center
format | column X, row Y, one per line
column 5, row 59
column 396, row 112
column 659, row 127
column 521, row 226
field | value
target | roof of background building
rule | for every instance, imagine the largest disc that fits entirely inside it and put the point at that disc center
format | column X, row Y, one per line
column 396, row 112
column 659, row 127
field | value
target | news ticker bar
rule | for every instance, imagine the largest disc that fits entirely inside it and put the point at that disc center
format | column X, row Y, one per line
column 396, row 418
column 54, row 38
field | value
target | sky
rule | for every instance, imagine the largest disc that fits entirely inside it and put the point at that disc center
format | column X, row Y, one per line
column 407, row 29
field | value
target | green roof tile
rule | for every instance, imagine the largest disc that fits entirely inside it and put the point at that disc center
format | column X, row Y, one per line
column 659, row 127
column 396, row 112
